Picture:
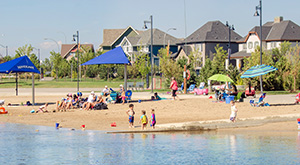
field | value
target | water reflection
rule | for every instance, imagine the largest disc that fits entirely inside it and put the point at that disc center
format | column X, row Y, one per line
column 63, row 146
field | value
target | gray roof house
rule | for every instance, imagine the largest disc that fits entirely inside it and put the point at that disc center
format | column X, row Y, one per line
column 273, row 34
column 207, row 37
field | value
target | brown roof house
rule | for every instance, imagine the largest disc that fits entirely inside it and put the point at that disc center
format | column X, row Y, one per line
column 273, row 34
column 131, row 39
column 204, row 40
column 69, row 50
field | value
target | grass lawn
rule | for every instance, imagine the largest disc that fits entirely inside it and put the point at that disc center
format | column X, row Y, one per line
column 67, row 83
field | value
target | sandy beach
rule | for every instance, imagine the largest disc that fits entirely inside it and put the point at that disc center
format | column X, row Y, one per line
column 190, row 109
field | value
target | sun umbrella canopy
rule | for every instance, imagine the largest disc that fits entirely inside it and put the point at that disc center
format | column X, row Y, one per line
column 21, row 64
column 221, row 77
column 258, row 70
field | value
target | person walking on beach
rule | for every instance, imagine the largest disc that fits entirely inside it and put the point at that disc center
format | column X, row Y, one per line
column 144, row 120
column 174, row 88
column 153, row 119
column 130, row 112
column 233, row 111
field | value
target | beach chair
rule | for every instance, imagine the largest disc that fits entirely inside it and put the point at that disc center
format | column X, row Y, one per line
column 260, row 102
column 113, row 96
column 128, row 95
column 191, row 88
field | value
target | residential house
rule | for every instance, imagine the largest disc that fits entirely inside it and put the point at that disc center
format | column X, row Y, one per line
column 132, row 40
column 273, row 34
column 207, row 37
column 69, row 50
column 113, row 37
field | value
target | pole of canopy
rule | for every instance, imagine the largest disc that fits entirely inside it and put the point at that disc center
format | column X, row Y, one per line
column 33, row 102
column 16, row 84
column 125, row 77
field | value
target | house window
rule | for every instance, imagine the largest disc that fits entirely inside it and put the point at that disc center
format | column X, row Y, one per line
column 273, row 45
column 250, row 45
column 244, row 46
column 256, row 44
column 198, row 47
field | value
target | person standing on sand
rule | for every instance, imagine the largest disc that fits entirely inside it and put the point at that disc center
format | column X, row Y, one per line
column 233, row 111
column 130, row 112
column 174, row 88
column 153, row 119
column 144, row 120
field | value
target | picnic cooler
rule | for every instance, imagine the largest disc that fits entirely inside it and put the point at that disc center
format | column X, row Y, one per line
column 228, row 99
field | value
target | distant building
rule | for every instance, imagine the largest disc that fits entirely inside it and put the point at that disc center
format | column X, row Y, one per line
column 131, row 40
column 206, row 38
column 69, row 50
column 273, row 34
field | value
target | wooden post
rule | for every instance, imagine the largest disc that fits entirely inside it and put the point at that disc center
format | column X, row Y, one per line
column 184, row 85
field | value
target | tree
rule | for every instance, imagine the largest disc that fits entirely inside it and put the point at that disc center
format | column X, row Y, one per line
column 293, row 60
column 218, row 62
column 207, row 71
column 24, row 50
column 143, row 63
column 56, row 59
column 87, row 55
column 168, row 66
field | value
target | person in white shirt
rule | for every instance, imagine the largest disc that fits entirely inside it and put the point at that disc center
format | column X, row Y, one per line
column 105, row 91
column 233, row 111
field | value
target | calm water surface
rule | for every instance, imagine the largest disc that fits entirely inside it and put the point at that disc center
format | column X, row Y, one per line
column 22, row 144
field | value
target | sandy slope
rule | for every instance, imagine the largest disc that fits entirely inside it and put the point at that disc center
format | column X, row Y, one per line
column 167, row 111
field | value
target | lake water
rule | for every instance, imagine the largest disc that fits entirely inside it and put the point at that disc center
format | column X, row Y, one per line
column 23, row 144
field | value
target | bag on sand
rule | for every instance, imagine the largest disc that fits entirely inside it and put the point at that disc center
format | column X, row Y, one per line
column 100, row 106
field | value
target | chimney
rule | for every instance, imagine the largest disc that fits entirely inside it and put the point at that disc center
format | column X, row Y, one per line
column 278, row 19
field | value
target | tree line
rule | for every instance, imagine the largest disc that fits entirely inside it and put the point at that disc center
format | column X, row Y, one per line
column 286, row 58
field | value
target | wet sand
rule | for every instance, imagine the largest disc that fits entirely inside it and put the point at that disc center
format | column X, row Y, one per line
column 190, row 109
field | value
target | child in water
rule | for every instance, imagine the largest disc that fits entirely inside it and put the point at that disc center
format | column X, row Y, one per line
column 144, row 120
column 130, row 112
column 152, row 120
column 233, row 111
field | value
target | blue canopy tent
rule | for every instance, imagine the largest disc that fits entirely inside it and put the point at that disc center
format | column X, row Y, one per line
column 114, row 56
column 20, row 65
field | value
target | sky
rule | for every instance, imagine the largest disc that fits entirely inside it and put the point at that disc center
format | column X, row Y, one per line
column 31, row 21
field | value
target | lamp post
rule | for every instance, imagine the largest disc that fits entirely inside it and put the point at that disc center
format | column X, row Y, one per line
column 6, row 48
column 53, row 41
column 166, row 34
column 230, row 27
column 151, row 54
column 259, row 7
column 77, row 39
column 64, row 36
column 39, row 55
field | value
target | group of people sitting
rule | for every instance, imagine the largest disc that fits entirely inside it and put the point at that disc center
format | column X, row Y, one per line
column 76, row 101
column 227, row 90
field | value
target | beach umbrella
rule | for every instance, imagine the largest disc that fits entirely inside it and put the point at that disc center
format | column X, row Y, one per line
column 220, row 77
column 258, row 70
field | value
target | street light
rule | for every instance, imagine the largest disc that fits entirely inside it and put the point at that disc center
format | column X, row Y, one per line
column 259, row 7
column 151, row 54
column 39, row 54
column 6, row 47
column 230, row 27
column 166, row 34
column 55, row 42
column 77, row 39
